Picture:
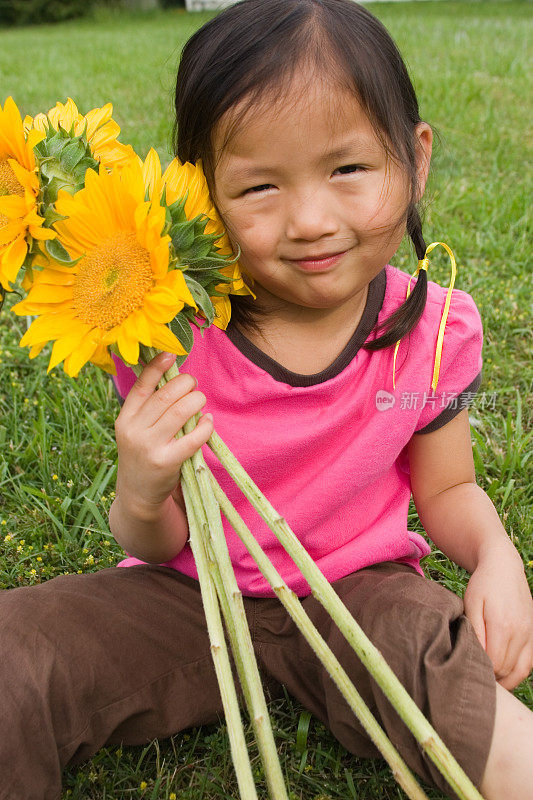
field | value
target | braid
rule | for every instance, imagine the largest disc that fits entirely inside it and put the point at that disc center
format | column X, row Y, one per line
column 414, row 229
column 406, row 317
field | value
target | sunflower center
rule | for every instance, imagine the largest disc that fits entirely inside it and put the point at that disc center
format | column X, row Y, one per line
column 9, row 184
column 112, row 281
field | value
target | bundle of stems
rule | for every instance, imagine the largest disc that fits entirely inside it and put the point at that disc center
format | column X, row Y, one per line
column 204, row 501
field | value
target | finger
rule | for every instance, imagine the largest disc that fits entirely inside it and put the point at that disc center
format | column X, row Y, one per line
column 520, row 671
column 187, row 445
column 146, row 384
column 518, row 660
column 177, row 414
column 160, row 402
column 498, row 642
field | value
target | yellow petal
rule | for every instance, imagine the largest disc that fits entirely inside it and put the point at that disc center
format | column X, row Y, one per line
column 12, row 260
column 36, row 349
column 128, row 346
column 98, row 117
column 175, row 282
column 76, row 360
column 12, row 206
column 164, row 339
column 43, row 293
column 63, row 348
column 152, row 173
column 222, row 306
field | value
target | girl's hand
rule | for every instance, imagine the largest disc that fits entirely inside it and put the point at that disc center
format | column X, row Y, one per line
column 499, row 605
column 149, row 455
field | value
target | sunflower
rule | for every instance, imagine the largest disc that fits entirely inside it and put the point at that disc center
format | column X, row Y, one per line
column 180, row 180
column 118, row 292
column 99, row 128
column 20, row 222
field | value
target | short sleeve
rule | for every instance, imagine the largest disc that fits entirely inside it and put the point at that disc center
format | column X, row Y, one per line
column 460, row 368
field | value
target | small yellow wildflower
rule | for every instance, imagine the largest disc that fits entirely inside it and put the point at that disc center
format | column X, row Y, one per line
column 143, row 786
column 54, row 477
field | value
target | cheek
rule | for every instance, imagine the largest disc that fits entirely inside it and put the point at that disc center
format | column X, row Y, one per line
column 379, row 216
column 255, row 234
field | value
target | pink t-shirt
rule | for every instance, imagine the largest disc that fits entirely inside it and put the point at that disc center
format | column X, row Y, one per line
column 328, row 450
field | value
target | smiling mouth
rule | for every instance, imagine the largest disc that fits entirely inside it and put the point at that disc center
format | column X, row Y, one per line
column 318, row 263
column 322, row 257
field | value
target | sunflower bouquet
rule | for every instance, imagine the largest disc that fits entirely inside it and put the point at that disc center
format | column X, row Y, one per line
column 119, row 259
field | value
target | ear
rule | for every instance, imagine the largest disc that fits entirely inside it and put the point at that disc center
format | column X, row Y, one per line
column 423, row 146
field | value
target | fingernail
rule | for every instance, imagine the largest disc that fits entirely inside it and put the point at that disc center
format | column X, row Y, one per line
column 209, row 416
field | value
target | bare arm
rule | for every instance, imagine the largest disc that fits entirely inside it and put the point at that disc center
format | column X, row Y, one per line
column 151, row 535
column 456, row 513
column 462, row 521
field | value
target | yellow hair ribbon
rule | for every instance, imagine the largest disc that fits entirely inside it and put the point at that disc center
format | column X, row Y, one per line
column 424, row 264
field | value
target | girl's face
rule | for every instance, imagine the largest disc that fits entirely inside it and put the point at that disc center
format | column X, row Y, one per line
column 307, row 191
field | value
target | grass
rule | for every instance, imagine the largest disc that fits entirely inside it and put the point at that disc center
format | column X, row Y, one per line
column 469, row 64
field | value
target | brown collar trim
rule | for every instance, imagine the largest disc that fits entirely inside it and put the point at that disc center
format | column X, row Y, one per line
column 374, row 302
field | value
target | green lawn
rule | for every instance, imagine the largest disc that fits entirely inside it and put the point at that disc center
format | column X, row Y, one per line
column 470, row 66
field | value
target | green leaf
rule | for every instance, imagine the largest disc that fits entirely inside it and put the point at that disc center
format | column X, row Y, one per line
column 182, row 236
column 181, row 328
column 71, row 155
column 52, row 168
column 55, row 250
column 177, row 208
column 303, row 731
column 201, row 298
column 51, row 216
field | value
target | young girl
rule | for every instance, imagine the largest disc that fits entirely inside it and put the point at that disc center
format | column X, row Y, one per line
column 307, row 125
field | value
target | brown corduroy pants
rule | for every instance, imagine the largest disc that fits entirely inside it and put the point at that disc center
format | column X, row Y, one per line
column 122, row 656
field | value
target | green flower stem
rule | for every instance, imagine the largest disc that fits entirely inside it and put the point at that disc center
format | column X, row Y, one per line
column 235, row 617
column 369, row 655
column 206, row 568
column 399, row 768
column 207, row 517
column 239, row 752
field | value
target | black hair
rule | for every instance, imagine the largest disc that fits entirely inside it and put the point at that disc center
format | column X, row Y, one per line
column 257, row 45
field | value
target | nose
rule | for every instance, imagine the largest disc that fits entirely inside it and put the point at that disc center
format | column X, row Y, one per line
column 310, row 216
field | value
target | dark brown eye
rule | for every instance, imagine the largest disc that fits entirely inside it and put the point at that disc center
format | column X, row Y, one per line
column 349, row 168
column 262, row 188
